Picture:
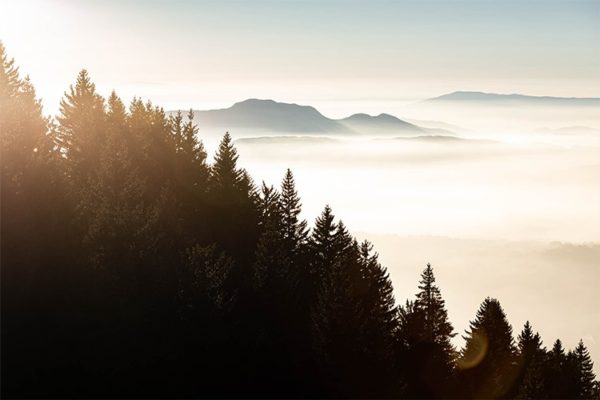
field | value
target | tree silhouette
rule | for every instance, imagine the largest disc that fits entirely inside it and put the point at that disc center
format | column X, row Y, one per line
column 82, row 127
column 487, row 360
column 425, row 336
column 585, row 372
column 531, row 362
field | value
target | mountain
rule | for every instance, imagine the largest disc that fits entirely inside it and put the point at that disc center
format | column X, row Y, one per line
column 254, row 116
column 268, row 115
column 482, row 98
column 382, row 123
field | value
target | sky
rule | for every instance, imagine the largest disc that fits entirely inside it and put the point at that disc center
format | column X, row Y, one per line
column 341, row 56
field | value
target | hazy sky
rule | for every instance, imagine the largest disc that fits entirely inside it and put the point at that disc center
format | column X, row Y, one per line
column 342, row 56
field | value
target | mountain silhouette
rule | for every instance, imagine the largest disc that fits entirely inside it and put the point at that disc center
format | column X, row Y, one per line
column 269, row 116
column 482, row 98
column 381, row 123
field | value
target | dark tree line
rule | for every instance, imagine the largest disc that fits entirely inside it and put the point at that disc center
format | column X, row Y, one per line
column 133, row 267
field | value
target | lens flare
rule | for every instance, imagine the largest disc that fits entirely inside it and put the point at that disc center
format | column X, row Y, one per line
column 476, row 352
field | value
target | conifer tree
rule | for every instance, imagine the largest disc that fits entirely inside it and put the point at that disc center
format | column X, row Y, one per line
column 116, row 114
column 152, row 147
column 380, row 323
column 427, row 354
column 585, row 372
column 190, row 178
column 337, row 313
column 486, row 361
column 82, row 127
column 322, row 244
column 437, row 329
column 531, row 363
column 271, row 257
column 232, row 199
column 294, row 230
column 554, row 372
column 24, row 139
column 225, row 175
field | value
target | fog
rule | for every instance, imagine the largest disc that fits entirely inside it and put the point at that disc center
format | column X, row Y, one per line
column 514, row 216
column 440, row 185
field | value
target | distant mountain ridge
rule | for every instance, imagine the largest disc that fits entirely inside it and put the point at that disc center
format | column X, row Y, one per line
column 361, row 121
column 509, row 99
column 269, row 115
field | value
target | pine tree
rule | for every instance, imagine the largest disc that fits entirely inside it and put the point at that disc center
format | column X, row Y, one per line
column 555, row 379
column 152, row 147
column 116, row 114
column 585, row 372
column 82, row 127
column 190, row 178
column 294, row 230
column 337, row 313
column 226, row 177
column 379, row 327
column 486, row 361
column 271, row 258
column 322, row 244
column 427, row 354
column 232, row 198
column 437, row 329
column 532, row 357
column 24, row 139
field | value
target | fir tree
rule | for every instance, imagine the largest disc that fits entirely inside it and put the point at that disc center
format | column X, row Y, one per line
column 486, row 361
column 271, row 258
column 554, row 372
column 82, row 127
column 294, row 230
column 531, row 362
column 437, row 329
column 585, row 372
column 427, row 354
column 322, row 244
column 190, row 178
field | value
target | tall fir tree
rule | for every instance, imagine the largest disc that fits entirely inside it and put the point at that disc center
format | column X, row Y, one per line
column 234, row 214
column 554, row 372
column 487, row 361
column 532, row 357
column 82, row 127
column 585, row 372
column 437, row 328
column 427, row 354
column 380, row 323
column 191, row 174
column 295, row 232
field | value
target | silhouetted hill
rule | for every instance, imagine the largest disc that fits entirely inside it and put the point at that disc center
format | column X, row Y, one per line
column 482, row 98
column 382, row 123
column 269, row 116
